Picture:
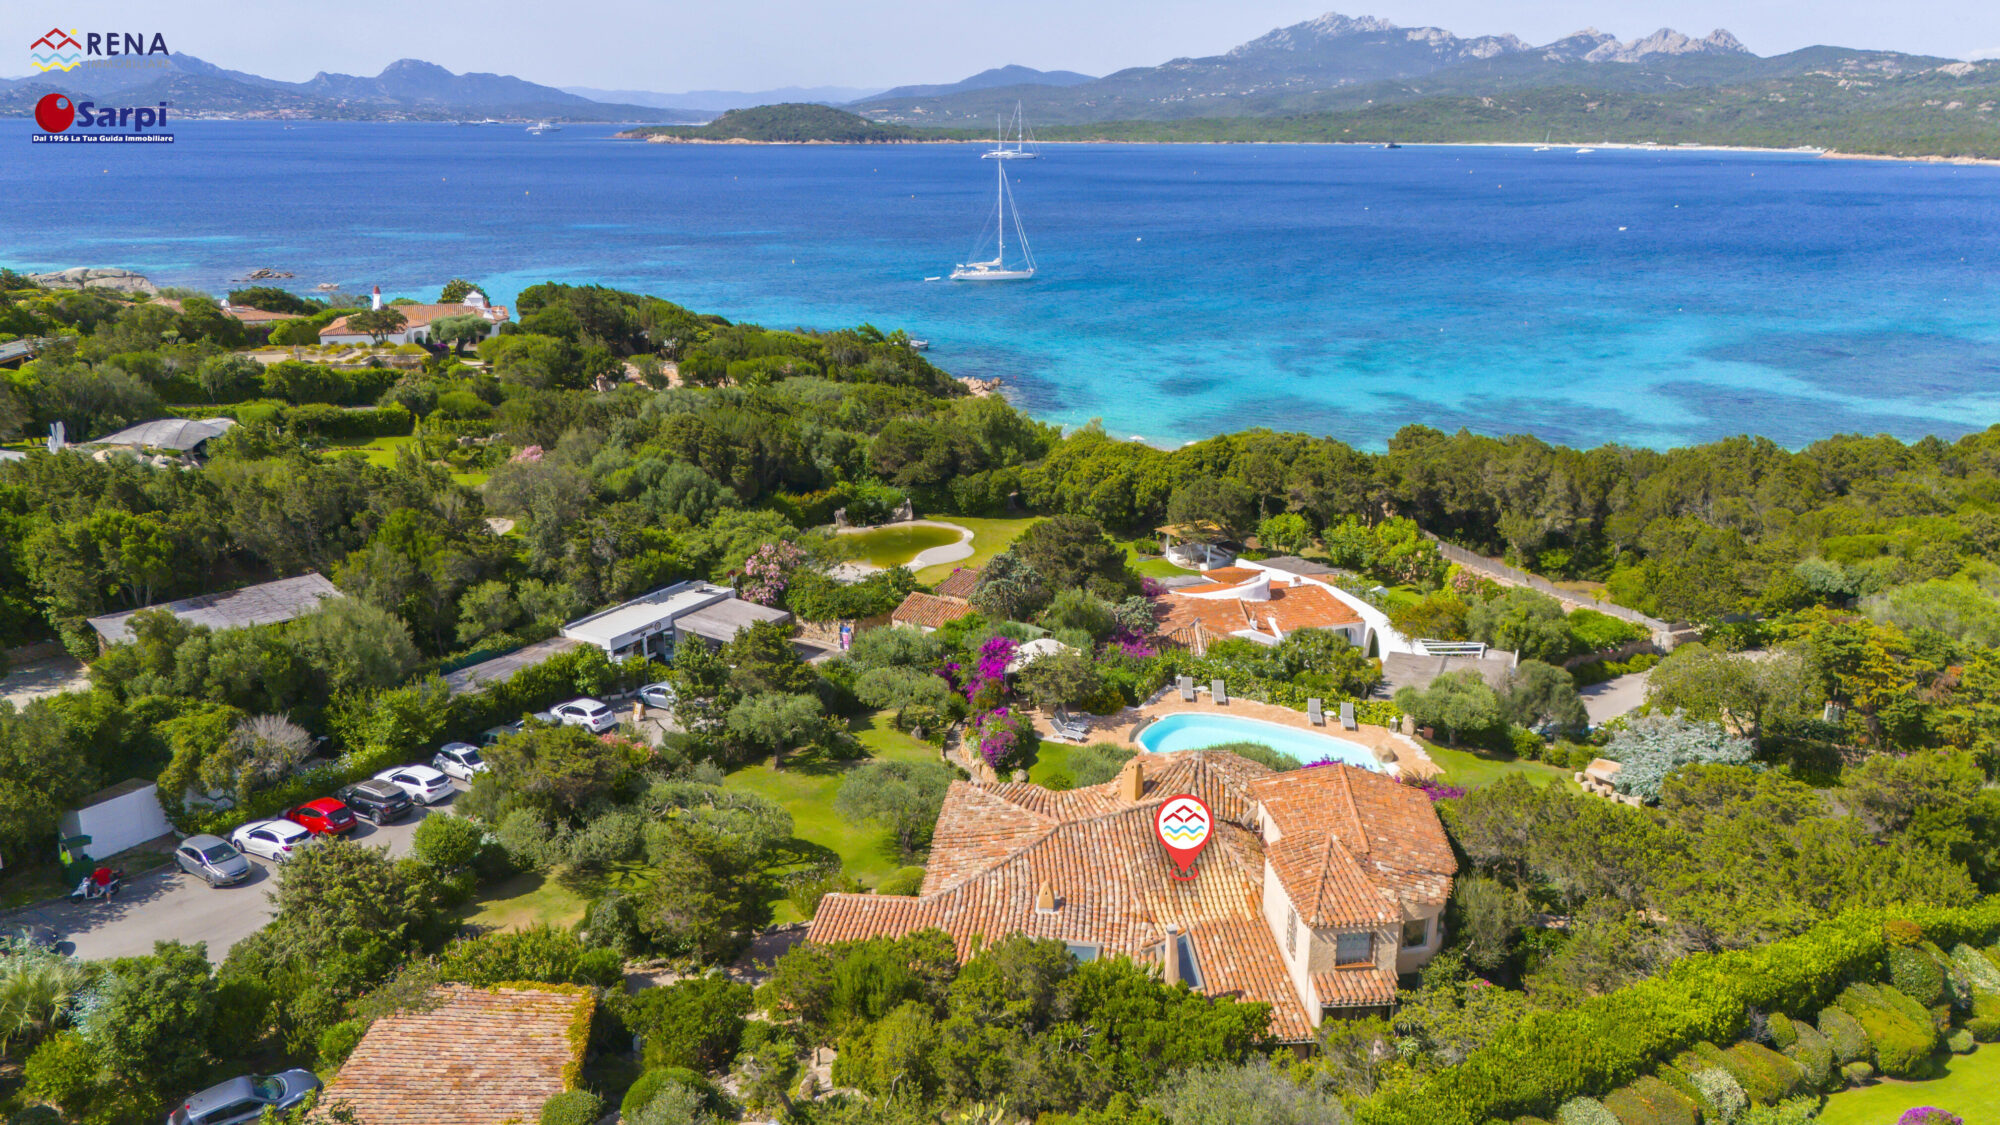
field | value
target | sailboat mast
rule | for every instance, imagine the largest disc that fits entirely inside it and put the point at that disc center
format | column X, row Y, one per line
column 1000, row 201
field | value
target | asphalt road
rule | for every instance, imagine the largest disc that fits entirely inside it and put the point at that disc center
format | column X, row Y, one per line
column 1614, row 697
column 170, row 905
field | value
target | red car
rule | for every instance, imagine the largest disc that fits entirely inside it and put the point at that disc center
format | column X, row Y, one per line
column 322, row 817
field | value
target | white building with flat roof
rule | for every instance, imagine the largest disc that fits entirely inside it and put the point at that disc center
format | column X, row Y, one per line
column 652, row 624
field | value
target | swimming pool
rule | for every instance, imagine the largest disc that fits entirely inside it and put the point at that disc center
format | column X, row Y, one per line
column 1193, row 730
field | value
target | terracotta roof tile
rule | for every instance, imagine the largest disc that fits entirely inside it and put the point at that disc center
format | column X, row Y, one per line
column 1354, row 844
column 1293, row 607
column 1368, row 987
column 419, row 315
column 929, row 610
column 960, row 583
column 481, row 1057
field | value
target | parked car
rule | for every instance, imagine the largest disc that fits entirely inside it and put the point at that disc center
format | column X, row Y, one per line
column 275, row 840
column 245, row 1098
column 212, row 860
column 491, row 735
column 380, row 801
column 323, row 817
column 589, row 714
column 459, row 759
column 424, row 784
column 659, row 695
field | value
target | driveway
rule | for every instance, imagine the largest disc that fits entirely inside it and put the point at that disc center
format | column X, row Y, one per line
column 1614, row 697
column 170, row 905
column 43, row 677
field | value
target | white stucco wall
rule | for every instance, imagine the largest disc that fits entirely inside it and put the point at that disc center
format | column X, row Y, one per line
column 122, row 822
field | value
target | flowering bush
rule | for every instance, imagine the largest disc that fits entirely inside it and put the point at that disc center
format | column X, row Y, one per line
column 767, row 572
column 1929, row 1115
column 1004, row 735
column 1130, row 642
column 1436, row 790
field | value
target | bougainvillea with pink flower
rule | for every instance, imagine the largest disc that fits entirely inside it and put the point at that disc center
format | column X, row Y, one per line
column 1929, row 1115
column 767, row 572
column 1005, row 735
column 1436, row 790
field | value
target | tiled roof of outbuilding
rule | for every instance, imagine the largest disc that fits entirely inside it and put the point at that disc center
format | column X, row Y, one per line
column 929, row 610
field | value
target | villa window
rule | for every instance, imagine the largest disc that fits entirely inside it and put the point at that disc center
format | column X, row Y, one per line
column 1291, row 932
column 1416, row 933
column 1083, row 951
column 1354, row 949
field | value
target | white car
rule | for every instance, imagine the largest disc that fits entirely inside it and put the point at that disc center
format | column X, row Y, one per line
column 275, row 840
column 589, row 714
column 459, row 759
column 424, row 784
column 660, row 695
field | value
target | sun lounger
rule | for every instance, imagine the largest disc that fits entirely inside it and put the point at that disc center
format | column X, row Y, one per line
column 1187, row 689
column 1347, row 717
column 1216, row 692
column 1068, row 727
column 1314, row 714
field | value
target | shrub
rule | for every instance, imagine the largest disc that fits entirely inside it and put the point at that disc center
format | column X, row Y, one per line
column 1960, row 1042
column 573, row 1107
column 448, row 843
column 1814, row 1053
column 539, row 953
column 1929, row 1115
column 1766, row 1076
column 656, row 1080
column 1096, row 763
column 1979, row 973
column 1650, row 1101
column 1845, row 1035
column 1584, row 1111
column 1916, row 974
column 697, row 1024
column 1783, row 1032
column 1984, row 1023
column 1680, row 1080
column 905, row 881
column 338, row 1042
column 1902, row 1042
column 1856, row 1073
column 1722, row 1099
column 1901, row 932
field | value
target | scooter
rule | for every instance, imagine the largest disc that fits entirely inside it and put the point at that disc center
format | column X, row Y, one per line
column 90, row 889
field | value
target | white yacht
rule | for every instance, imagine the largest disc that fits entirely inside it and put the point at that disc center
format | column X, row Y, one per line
column 1024, row 147
column 997, row 268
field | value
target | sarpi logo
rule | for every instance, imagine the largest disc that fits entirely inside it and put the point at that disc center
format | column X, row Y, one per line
column 62, row 50
column 57, row 113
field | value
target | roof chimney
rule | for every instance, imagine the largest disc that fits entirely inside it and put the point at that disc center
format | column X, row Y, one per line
column 1275, row 631
column 376, row 303
column 1045, row 899
column 1132, row 780
column 1170, row 957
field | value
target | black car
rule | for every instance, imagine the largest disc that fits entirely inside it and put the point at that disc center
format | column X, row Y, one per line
column 379, row 801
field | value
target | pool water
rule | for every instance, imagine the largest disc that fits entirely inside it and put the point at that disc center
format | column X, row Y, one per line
column 1195, row 730
column 894, row 546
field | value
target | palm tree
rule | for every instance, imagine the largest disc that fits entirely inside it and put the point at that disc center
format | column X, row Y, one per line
column 37, row 989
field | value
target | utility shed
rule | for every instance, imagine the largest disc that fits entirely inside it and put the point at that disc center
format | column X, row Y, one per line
column 646, row 624
column 124, row 816
column 264, row 604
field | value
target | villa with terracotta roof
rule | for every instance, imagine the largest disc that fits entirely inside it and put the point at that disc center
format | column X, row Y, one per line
column 928, row 612
column 1266, row 601
column 417, row 320
column 1318, row 886
column 480, row 1056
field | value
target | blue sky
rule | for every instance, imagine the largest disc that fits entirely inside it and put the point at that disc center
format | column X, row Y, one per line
column 753, row 44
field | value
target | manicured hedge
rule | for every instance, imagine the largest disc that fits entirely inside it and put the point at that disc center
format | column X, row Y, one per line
column 1584, row 1111
column 1767, row 1076
column 1845, row 1035
column 1609, row 1041
column 1814, row 1053
column 1722, row 1097
column 1650, row 1101
column 1913, row 971
column 1900, row 1031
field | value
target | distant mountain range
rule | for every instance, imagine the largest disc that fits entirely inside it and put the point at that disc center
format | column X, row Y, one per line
column 996, row 78
column 1359, row 66
column 408, row 89
column 716, row 101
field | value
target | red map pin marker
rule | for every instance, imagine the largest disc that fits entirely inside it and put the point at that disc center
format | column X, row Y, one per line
column 1184, row 826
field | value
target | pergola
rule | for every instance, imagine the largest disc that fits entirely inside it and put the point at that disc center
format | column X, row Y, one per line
column 1198, row 538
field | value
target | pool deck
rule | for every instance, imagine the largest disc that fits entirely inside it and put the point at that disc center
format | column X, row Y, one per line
column 1400, row 756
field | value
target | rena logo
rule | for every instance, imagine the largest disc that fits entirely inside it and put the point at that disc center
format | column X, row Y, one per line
column 61, row 50
column 55, row 113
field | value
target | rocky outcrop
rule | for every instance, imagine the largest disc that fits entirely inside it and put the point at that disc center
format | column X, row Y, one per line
column 90, row 277
column 1592, row 45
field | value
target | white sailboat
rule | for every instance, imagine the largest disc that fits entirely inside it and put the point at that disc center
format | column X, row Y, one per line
column 996, row 268
column 1024, row 141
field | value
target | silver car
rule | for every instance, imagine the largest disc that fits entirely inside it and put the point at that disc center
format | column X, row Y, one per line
column 459, row 759
column 245, row 1098
column 212, row 860
column 660, row 695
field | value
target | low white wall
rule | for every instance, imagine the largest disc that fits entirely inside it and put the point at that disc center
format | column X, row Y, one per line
column 119, row 823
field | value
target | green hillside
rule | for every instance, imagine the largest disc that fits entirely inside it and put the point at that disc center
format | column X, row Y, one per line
column 789, row 123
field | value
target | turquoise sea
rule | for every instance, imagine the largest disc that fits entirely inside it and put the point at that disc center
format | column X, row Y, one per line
column 1646, row 297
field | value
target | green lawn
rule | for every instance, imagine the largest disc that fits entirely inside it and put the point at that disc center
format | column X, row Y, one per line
column 1970, row 1088
column 382, row 451
column 530, row 899
column 1155, row 567
column 1472, row 768
column 806, row 789
column 989, row 538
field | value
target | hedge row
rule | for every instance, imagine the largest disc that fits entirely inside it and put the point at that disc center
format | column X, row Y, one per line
column 1607, row 1042
column 393, row 420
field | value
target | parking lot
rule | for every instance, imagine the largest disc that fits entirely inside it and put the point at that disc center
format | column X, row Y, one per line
column 168, row 905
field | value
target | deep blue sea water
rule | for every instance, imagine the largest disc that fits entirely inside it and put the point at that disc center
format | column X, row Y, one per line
column 1651, row 298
